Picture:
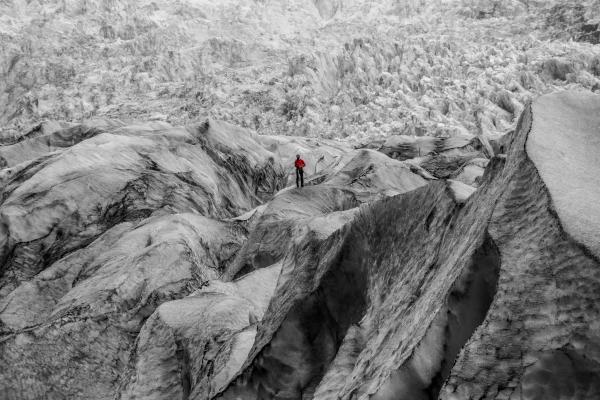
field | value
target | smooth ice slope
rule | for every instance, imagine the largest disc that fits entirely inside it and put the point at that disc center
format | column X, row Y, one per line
column 564, row 145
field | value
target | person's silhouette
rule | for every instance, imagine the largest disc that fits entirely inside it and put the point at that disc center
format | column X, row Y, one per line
column 299, row 164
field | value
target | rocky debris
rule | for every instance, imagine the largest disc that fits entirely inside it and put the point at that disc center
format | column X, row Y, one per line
column 368, row 284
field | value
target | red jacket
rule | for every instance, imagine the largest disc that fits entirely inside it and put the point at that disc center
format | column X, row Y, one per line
column 299, row 163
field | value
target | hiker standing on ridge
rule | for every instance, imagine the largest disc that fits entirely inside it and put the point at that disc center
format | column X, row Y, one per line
column 299, row 164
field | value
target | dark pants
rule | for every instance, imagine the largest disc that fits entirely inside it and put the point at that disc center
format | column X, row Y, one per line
column 299, row 177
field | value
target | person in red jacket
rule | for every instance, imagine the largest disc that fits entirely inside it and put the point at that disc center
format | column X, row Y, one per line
column 299, row 164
